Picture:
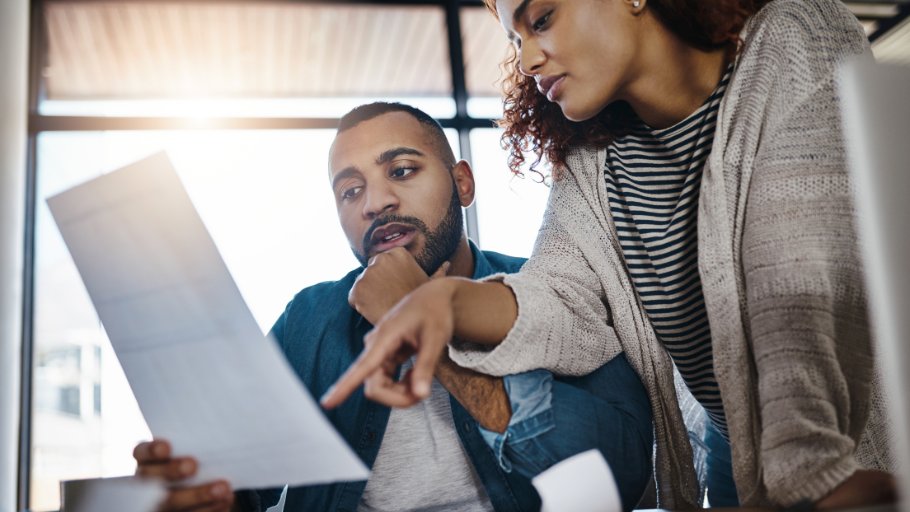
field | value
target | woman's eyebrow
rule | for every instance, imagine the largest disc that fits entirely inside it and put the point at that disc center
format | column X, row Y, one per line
column 520, row 11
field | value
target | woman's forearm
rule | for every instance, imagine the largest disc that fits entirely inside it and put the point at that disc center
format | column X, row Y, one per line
column 484, row 312
column 423, row 323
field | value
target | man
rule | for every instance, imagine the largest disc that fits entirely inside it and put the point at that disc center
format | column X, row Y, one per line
column 473, row 444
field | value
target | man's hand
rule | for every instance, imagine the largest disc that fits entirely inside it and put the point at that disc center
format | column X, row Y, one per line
column 863, row 488
column 386, row 280
column 154, row 459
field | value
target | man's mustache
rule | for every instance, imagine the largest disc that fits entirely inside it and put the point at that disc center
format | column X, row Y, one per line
column 389, row 219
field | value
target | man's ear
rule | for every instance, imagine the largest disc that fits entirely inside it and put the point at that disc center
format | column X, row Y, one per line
column 463, row 177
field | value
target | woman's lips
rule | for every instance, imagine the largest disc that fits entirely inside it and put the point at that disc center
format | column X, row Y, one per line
column 550, row 86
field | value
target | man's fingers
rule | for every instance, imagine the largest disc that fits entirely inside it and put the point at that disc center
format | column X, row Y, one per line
column 200, row 497
column 157, row 450
column 180, row 468
column 173, row 470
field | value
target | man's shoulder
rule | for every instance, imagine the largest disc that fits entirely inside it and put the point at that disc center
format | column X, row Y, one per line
column 503, row 262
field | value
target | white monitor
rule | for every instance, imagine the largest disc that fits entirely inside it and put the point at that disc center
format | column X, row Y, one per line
column 876, row 105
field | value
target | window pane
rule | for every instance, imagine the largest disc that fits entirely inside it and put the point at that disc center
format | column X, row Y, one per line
column 509, row 208
column 485, row 47
column 226, row 50
column 485, row 107
column 265, row 198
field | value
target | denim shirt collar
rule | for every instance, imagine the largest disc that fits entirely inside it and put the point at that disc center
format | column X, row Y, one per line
column 482, row 267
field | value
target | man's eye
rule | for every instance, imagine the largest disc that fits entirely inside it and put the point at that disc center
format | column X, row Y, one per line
column 401, row 172
column 350, row 193
column 541, row 22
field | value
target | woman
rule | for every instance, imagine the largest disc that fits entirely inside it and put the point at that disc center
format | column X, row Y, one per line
column 701, row 216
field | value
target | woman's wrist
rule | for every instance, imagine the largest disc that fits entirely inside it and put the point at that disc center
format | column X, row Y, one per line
column 483, row 312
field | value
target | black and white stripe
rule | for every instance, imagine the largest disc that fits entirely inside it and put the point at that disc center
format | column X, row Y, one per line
column 653, row 179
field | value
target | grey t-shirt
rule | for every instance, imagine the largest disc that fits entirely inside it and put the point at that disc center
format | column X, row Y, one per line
column 421, row 464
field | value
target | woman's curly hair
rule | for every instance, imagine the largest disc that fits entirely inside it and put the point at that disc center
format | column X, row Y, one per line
column 535, row 125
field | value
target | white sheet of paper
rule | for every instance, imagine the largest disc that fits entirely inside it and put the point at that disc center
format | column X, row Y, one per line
column 581, row 483
column 203, row 374
column 279, row 507
column 126, row 494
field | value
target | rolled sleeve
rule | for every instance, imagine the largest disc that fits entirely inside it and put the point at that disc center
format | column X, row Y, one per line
column 530, row 395
column 556, row 418
column 563, row 323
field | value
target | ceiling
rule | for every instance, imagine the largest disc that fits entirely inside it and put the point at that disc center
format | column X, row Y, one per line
column 152, row 49
column 136, row 49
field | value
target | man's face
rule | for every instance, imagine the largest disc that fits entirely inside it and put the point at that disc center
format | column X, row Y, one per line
column 392, row 189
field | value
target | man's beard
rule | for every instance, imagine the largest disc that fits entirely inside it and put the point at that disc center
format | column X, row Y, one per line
column 440, row 244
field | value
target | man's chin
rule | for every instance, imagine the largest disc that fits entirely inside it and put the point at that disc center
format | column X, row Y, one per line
column 412, row 249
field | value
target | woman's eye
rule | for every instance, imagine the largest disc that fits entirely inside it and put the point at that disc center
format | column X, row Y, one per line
column 541, row 22
column 401, row 172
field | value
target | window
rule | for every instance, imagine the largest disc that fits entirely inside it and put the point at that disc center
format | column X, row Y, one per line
column 509, row 208
column 263, row 195
column 485, row 48
column 256, row 89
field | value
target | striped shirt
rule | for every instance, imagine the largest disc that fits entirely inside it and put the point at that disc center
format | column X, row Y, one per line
column 653, row 179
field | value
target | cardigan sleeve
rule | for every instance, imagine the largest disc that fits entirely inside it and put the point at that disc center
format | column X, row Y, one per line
column 563, row 322
column 806, row 304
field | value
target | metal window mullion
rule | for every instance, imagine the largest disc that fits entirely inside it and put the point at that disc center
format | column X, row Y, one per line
column 462, row 120
column 38, row 52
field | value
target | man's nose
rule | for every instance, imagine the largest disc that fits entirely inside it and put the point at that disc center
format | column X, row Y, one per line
column 380, row 199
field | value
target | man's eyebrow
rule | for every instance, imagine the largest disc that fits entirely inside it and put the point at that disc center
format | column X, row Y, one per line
column 345, row 173
column 520, row 11
column 389, row 155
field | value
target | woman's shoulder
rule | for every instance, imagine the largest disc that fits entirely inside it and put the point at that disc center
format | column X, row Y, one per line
column 583, row 164
column 810, row 12
column 791, row 47
column 804, row 26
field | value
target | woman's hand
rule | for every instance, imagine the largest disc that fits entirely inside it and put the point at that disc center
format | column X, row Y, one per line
column 422, row 324
column 864, row 487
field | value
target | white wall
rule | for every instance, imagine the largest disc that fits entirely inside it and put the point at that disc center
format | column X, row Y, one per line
column 13, row 118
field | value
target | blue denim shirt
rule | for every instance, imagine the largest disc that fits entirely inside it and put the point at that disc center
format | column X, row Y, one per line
column 321, row 335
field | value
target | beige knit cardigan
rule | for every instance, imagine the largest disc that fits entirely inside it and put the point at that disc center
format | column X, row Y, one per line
column 780, row 270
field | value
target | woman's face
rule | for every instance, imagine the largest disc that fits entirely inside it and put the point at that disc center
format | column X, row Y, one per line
column 582, row 53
